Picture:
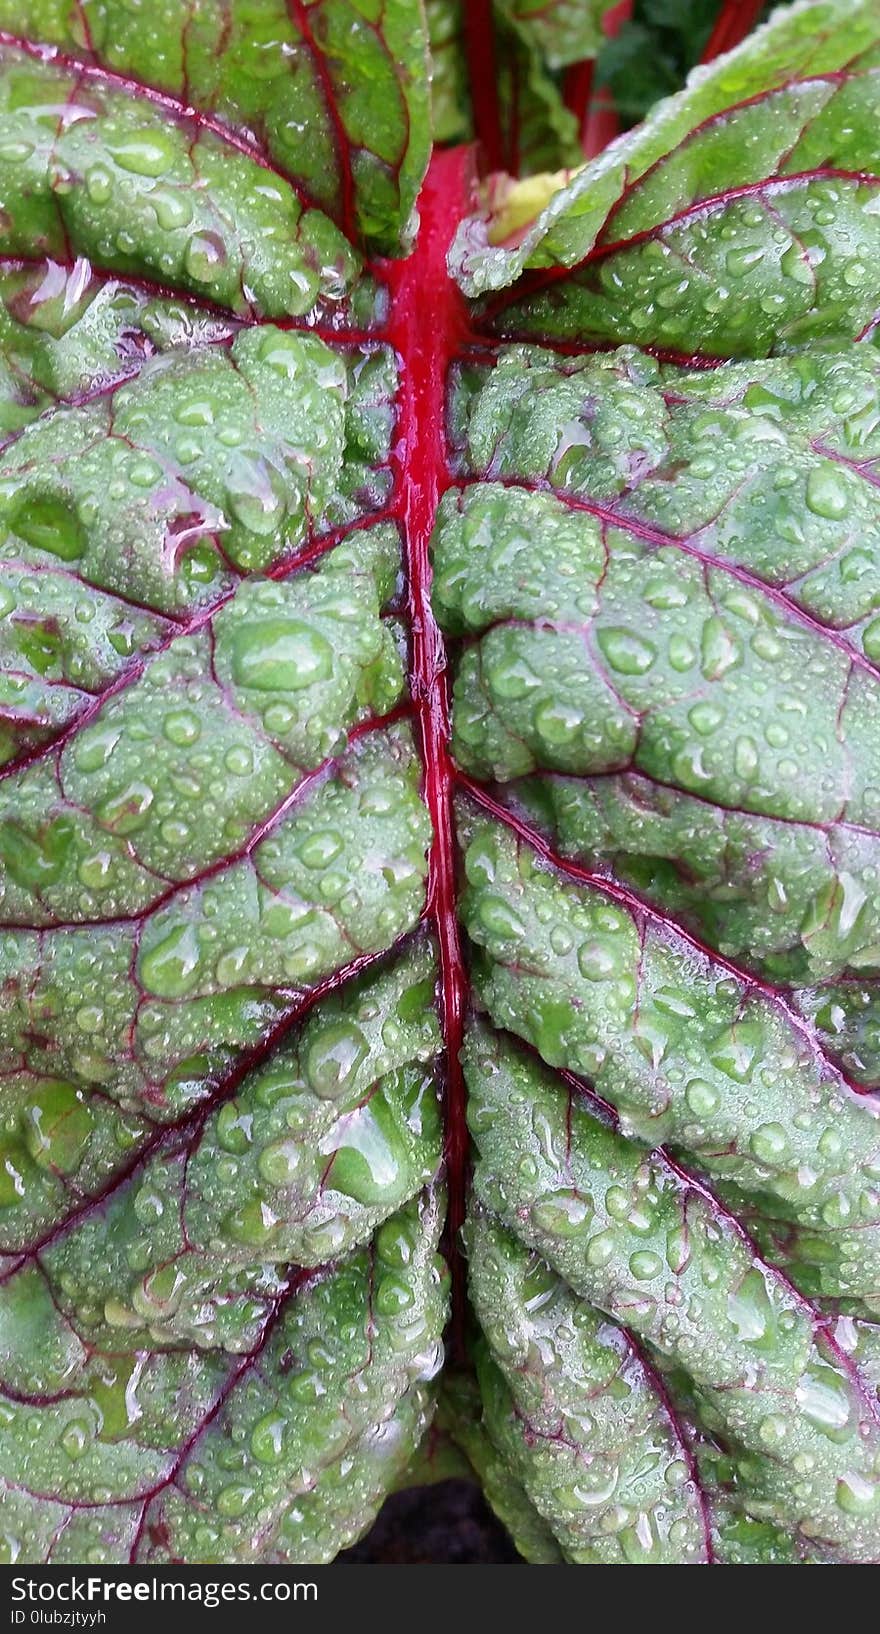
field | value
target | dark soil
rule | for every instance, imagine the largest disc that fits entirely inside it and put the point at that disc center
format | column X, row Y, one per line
column 448, row 1524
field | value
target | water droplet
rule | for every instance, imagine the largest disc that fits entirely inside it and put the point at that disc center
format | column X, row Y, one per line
column 871, row 640
column 146, row 152
column 769, row 1143
column 563, row 1213
column 499, row 918
column 823, row 1398
column 233, row 1500
column 280, row 655
column 181, row 727
column 205, row 255
column 597, row 961
column 702, row 1098
column 278, row 1163
column 557, row 723
column 320, row 849
column 75, row 1437
column 99, row 184
column 126, row 811
column 644, row 1265
column 334, row 1057
column 171, row 969
column 749, row 1308
column 267, row 1438
column 827, row 493
column 239, row 760
column 855, row 1495
column 627, row 653
column 173, row 210
column 393, row 1296
column 49, row 524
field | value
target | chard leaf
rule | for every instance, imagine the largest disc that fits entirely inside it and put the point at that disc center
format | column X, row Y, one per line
column 331, row 95
column 741, row 212
column 438, row 799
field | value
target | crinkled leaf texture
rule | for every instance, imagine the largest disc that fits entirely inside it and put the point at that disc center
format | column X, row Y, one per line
column 283, row 914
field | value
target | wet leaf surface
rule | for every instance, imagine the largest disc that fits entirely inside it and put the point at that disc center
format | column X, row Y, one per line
column 438, row 805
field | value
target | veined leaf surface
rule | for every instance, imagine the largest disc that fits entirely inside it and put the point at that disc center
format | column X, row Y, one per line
column 439, row 800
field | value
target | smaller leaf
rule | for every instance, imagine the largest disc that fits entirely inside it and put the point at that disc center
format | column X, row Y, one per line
column 655, row 1250
column 579, row 1414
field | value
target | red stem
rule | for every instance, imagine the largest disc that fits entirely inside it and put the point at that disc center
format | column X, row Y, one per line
column 479, row 45
column 578, row 90
column 735, row 20
column 428, row 327
column 600, row 124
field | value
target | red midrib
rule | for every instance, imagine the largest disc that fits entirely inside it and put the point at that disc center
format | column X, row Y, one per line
column 427, row 328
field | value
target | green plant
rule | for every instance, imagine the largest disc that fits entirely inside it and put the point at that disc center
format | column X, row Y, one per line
column 439, row 688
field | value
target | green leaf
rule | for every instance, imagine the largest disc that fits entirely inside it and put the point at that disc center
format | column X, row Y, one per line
column 408, row 729
column 307, row 1428
column 627, row 1231
column 742, row 212
column 655, row 581
column 563, row 31
column 576, row 1410
column 460, row 1413
column 330, row 94
column 221, row 1140
column 651, row 54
